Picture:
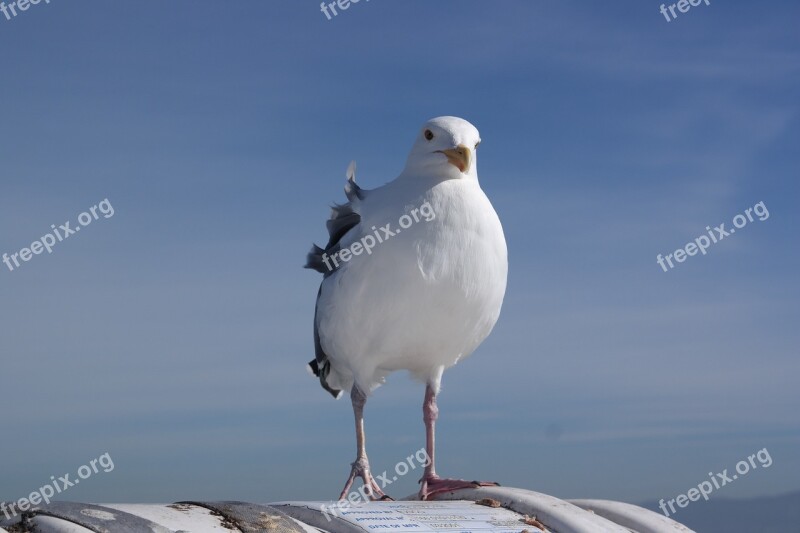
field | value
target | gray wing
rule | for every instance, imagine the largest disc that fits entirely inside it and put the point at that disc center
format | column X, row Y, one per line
column 343, row 218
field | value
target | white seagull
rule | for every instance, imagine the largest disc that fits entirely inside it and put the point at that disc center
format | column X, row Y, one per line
column 414, row 278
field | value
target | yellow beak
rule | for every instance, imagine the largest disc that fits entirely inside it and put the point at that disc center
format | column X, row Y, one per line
column 460, row 157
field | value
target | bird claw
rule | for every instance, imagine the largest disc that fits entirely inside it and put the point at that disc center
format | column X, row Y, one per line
column 360, row 468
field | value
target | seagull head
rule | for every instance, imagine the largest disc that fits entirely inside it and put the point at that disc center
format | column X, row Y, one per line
column 445, row 146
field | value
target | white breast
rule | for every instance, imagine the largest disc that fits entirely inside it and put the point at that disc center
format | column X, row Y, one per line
column 424, row 298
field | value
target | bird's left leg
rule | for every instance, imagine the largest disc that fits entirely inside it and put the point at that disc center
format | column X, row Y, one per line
column 431, row 482
column 360, row 468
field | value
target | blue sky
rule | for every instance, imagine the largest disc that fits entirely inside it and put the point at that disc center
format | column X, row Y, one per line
column 174, row 334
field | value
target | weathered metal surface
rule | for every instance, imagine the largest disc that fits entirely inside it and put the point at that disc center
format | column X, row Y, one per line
column 404, row 517
column 180, row 517
column 253, row 518
column 481, row 510
column 96, row 518
column 636, row 518
column 48, row 524
column 556, row 515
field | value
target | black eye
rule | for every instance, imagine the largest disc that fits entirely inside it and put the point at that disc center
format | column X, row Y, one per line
column 428, row 134
column 477, row 144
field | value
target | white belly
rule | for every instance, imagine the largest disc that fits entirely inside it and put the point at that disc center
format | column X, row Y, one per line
column 424, row 298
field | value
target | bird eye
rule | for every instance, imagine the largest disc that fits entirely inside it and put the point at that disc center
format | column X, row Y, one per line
column 477, row 144
column 428, row 134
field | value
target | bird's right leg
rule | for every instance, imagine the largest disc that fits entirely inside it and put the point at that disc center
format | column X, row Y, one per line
column 361, row 465
column 432, row 484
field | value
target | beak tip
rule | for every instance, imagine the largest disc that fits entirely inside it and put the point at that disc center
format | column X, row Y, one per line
column 460, row 157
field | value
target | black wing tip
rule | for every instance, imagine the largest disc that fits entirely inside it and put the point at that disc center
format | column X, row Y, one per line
column 322, row 374
column 314, row 259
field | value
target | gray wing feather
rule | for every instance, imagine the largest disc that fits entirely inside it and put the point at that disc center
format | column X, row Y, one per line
column 343, row 218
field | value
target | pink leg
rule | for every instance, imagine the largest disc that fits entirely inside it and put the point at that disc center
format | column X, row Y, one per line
column 360, row 468
column 431, row 483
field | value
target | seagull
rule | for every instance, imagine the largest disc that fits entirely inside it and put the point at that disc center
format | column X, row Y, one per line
column 414, row 275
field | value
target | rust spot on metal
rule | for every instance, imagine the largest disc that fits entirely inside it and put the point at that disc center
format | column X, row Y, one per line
column 181, row 506
column 533, row 521
column 489, row 502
